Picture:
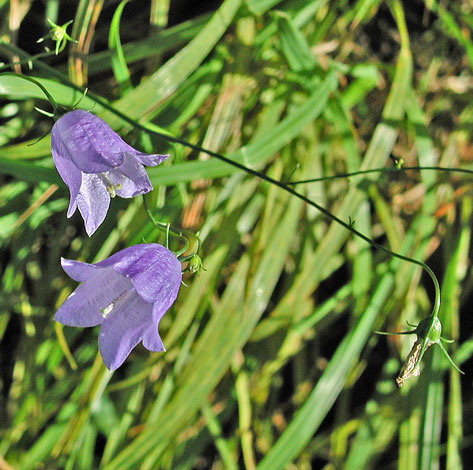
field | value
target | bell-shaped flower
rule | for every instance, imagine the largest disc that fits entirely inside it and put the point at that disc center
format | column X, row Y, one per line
column 96, row 164
column 127, row 294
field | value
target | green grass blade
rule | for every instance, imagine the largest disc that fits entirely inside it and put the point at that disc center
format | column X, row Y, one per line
column 155, row 45
column 226, row 333
column 451, row 327
column 294, row 46
column 310, row 415
column 119, row 67
column 18, row 89
column 28, row 172
column 255, row 153
column 138, row 102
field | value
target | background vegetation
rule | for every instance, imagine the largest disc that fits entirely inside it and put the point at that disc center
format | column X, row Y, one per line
column 271, row 359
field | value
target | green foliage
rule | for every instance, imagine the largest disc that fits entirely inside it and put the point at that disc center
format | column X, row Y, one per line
column 271, row 360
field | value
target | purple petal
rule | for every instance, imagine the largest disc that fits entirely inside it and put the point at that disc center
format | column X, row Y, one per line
column 160, row 281
column 123, row 329
column 152, row 340
column 78, row 270
column 128, row 293
column 126, row 253
column 93, row 201
column 150, row 160
column 130, row 254
column 88, row 304
column 154, row 270
column 88, row 142
column 70, row 174
column 130, row 178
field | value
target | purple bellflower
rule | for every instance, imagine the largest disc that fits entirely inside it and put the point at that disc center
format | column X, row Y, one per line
column 127, row 294
column 96, row 164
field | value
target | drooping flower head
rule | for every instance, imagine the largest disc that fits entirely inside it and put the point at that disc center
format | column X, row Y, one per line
column 96, row 164
column 429, row 332
column 127, row 294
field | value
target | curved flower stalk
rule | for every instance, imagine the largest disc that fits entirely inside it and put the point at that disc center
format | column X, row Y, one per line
column 286, row 186
column 127, row 294
column 96, row 164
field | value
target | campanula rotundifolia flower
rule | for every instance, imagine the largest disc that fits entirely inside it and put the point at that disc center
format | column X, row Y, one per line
column 96, row 164
column 127, row 294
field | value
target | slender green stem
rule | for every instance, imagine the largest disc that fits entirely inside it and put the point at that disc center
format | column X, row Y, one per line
column 38, row 84
column 167, row 229
column 442, row 347
column 41, row 55
column 250, row 171
column 380, row 170
column 179, row 233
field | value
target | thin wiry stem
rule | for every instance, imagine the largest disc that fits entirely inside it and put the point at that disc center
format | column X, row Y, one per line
column 284, row 186
column 379, row 170
column 167, row 229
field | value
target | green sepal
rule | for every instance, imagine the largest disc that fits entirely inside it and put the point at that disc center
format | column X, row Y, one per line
column 429, row 332
column 195, row 264
column 59, row 35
